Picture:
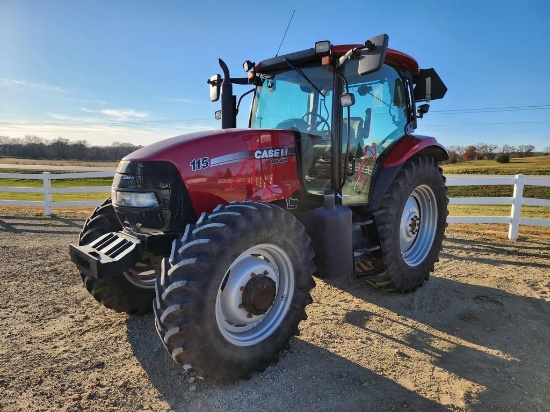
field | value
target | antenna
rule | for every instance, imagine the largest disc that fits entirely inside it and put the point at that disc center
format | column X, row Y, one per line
column 284, row 35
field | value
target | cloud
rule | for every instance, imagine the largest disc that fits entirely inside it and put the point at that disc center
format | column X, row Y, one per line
column 124, row 114
column 117, row 114
column 96, row 131
column 11, row 82
column 36, row 86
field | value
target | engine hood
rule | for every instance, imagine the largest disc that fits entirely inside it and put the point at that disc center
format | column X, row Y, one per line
column 221, row 166
column 166, row 145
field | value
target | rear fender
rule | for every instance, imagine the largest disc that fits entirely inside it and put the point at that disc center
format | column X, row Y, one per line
column 397, row 155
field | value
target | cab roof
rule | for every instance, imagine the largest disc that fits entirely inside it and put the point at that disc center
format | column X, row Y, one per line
column 308, row 56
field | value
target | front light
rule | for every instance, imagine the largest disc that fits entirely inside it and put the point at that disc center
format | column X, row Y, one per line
column 136, row 199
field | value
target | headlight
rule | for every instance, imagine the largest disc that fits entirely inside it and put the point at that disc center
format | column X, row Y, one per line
column 135, row 199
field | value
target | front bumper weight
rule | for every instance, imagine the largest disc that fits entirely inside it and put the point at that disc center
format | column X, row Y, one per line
column 109, row 255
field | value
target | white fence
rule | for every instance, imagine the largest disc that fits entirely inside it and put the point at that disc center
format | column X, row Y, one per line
column 513, row 220
column 47, row 190
column 517, row 200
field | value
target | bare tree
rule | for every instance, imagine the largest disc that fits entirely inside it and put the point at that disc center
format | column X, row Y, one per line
column 526, row 150
column 508, row 150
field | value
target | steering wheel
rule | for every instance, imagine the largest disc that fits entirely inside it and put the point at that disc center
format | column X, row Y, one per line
column 320, row 120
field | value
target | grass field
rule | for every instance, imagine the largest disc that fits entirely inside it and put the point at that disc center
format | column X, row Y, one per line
column 525, row 165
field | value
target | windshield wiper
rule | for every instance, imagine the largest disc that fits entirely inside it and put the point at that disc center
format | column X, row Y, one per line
column 301, row 73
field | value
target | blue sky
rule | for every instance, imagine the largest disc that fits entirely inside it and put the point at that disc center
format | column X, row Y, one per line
column 135, row 71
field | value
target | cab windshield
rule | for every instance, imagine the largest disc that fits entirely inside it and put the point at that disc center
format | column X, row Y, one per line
column 286, row 100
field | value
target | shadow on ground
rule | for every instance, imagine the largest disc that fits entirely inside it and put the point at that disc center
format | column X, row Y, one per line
column 306, row 378
column 41, row 224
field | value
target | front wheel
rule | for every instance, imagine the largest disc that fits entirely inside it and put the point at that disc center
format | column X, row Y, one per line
column 131, row 291
column 234, row 290
column 411, row 224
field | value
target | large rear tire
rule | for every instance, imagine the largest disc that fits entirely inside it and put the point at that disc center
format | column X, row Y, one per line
column 234, row 290
column 131, row 291
column 411, row 225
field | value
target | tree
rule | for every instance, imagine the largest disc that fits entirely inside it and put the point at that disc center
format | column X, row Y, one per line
column 546, row 150
column 508, row 150
column 470, row 153
column 5, row 142
column 526, row 150
column 486, row 151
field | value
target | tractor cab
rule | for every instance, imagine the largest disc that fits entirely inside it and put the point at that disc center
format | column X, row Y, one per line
column 347, row 105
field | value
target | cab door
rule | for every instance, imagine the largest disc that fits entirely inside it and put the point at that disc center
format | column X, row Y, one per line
column 377, row 119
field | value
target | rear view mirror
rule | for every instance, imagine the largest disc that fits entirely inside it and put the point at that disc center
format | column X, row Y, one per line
column 347, row 99
column 215, row 83
column 373, row 55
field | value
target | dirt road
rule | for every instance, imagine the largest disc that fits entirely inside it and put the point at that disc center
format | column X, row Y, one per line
column 475, row 338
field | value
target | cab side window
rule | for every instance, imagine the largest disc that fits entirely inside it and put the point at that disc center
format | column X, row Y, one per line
column 376, row 120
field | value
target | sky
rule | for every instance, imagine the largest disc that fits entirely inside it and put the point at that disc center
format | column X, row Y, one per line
column 133, row 71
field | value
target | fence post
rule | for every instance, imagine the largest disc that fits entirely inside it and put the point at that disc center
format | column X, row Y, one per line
column 47, row 193
column 517, row 200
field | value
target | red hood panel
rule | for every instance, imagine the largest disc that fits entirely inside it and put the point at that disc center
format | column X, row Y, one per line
column 231, row 164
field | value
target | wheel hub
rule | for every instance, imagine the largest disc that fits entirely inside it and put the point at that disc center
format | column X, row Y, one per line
column 414, row 224
column 418, row 225
column 410, row 224
column 255, row 295
column 259, row 294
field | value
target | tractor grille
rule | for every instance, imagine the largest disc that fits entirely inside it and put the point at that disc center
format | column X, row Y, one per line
column 175, row 209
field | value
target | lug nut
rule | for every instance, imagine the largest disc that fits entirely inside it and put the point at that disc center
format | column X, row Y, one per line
column 266, row 273
column 249, row 315
column 242, row 288
column 252, row 275
column 241, row 305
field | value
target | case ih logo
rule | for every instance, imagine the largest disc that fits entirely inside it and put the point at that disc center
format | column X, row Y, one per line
column 270, row 153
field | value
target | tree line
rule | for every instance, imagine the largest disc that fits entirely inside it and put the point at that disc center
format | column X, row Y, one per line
column 35, row 147
column 484, row 151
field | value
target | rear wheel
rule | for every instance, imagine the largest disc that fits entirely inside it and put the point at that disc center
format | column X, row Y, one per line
column 234, row 290
column 411, row 224
column 132, row 291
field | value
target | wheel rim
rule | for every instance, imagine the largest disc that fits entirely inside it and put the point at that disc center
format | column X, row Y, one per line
column 141, row 275
column 255, row 294
column 418, row 225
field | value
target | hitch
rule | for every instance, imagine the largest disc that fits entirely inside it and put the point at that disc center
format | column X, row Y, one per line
column 109, row 255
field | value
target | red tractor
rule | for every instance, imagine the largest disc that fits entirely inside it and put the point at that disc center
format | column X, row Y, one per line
column 221, row 232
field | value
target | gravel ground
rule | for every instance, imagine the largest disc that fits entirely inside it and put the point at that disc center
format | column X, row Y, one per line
column 476, row 337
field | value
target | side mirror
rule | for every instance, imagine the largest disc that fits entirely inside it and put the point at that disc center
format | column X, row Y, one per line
column 215, row 83
column 248, row 65
column 429, row 86
column 373, row 55
column 347, row 99
column 422, row 110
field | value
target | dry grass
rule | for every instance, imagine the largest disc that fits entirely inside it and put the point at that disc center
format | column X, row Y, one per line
column 539, row 165
column 493, row 232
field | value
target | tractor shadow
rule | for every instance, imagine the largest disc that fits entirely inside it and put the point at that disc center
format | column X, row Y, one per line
column 462, row 346
column 473, row 335
column 306, row 378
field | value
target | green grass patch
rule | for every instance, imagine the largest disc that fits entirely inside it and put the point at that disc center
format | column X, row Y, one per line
column 539, row 165
column 61, row 183
column 535, row 192
column 498, row 210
